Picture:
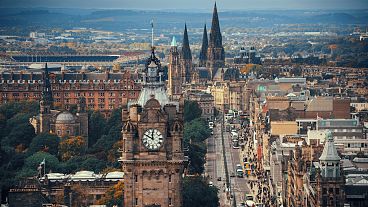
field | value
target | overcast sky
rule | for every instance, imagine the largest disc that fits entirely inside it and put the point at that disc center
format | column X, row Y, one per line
column 191, row 4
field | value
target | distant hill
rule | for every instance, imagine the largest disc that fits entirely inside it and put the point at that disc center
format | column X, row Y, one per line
column 120, row 20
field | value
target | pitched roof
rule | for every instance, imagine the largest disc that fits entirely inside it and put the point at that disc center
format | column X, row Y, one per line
column 329, row 151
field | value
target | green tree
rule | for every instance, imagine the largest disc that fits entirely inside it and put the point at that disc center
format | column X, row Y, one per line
column 191, row 111
column 197, row 193
column 196, row 130
column 96, row 126
column 45, row 142
column 32, row 162
column 197, row 154
column 21, row 134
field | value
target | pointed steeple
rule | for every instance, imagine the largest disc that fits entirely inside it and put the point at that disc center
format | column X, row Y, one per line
column 329, row 152
column 186, row 53
column 329, row 160
column 203, row 54
column 46, row 87
column 215, row 35
column 173, row 42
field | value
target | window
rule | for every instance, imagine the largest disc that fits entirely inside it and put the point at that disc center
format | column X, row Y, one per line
column 136, row 178
column 169, row 178
column 324, row 191
column 170, row 201
column 68, row 132
column 136, row 201
column 337, row 191
column 58, row 132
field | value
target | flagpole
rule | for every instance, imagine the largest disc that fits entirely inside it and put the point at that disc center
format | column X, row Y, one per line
column 44, row 167
column 152, row 33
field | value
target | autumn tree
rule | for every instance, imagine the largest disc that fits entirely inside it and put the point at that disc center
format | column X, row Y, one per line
column 113, row 196
column 72, row 146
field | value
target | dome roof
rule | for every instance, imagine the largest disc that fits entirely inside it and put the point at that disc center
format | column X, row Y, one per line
column 65, row 117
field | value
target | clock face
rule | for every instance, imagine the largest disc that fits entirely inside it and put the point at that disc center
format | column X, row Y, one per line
column 152, row 139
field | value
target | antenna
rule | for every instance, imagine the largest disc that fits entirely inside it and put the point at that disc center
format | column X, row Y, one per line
column 152, row 33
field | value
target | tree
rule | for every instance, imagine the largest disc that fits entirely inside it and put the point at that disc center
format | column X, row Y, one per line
column 197, row 130
column 72, row 146
column 21, row 134
column 32, row 162
column 96, row 123
column 45, row 142
column 191, row 111
column 113, row 196
column 197, row 154
column 196, row 192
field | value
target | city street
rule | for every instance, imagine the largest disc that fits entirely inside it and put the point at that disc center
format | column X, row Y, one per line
column 215, row 168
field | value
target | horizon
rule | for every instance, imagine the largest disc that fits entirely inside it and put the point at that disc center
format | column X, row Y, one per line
column 205, row 5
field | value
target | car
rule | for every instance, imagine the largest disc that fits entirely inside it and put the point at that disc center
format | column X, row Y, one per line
column 239, row 167
column 210, row 183
column 239, row 173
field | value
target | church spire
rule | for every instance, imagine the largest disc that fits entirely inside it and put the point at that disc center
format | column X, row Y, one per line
column 186, row 53
column 203, row 54
column 46, row 87
column 215, row 35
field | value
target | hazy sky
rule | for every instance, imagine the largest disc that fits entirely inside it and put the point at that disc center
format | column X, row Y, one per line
column 191, row 4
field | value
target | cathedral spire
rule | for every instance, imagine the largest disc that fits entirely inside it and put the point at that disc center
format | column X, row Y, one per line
column 215, row 35
column 203, row 54
column 186, row 53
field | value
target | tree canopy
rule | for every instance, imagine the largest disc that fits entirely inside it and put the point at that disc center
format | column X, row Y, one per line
column 191, row 111
column 197, row 193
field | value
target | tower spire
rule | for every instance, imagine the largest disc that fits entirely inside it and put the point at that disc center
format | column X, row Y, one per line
column 46, row 88
column 215, row 35
column 186, row 57
column 187, row 54
column 203, row 53
column 215, row 52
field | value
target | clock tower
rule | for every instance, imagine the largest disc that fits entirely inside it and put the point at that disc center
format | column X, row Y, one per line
column 152, row 153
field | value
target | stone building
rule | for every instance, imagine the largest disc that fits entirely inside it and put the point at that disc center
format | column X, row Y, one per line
column 61, row 123
column 175, row 79
column 152, row 154
column 57, row 189
column 205, row 102
column 216, row 52
column 230, row 95
column 102, row 91
column 314, row 179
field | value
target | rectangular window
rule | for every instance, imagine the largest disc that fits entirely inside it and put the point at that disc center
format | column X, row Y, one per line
column 170, row 201
column 169, row 178
column 136, row 201
column 136, row 178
